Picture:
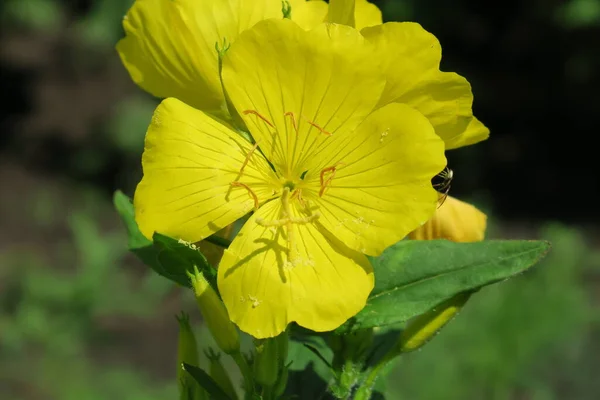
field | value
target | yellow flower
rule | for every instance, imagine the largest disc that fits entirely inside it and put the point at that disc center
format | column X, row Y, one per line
column 169, row 48
column 454, row 220
column 410, row 58
column 330, row 179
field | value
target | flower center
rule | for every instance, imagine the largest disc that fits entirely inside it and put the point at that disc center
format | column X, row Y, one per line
column 288, row 221
column 290, row 185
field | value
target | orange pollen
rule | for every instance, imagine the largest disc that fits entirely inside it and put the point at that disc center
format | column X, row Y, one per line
column 247, row 160
column 252, row 194
column 325, row 183
column 323, row 131
column 291, row 115
column 253, row 112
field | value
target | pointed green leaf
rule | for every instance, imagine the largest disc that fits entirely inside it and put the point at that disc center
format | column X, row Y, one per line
column 204, row 380
column 411, row 277
column 167, row 256
column 125, row 209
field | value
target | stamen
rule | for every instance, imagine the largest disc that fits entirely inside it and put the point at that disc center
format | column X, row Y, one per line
column 325, row 183
column 247, row 160
column 298, row 195
column 291, row 115
column 306, row 220
column 322, row 130
column 253, row 112
column 252, row 194
column 291, row 237
column 277, row 222
column 288, row 221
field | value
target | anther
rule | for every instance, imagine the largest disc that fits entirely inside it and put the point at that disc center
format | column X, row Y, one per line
column 247, row 160
column 253, row 112
column 291, row 115
column 298, row 195
column 322, row 130
column 252, row 194
column 325, row 183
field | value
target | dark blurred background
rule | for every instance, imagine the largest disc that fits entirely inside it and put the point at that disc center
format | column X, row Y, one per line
column 80, row 318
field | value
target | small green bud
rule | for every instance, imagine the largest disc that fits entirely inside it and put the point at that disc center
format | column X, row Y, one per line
column 187, row 352
column 422, row 329
column 219, row 374
column 266, row 362
column 215, row 314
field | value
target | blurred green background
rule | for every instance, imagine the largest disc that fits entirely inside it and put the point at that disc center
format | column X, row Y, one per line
column 80, row 318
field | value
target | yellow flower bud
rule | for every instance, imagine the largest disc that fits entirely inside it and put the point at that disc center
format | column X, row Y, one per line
column 454, row 220
column 422, row 329
column 215, row 314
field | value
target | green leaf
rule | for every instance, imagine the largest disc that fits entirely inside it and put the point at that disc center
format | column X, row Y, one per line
column 309, row 372
column 125, row 209
column 414, row 276
column 177, row 258
column 204, row 380
column 167, row 256
column 384, row 340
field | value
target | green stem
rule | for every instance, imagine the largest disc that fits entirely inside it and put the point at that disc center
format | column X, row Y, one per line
column 267, row 393
column 246, row 373
column 345, row 380
column 219, row 241
column 366, row 388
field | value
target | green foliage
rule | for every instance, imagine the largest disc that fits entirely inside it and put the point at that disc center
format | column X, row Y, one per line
column 49, row 314
column 525, row 336
column 204, row 380
column 128, row 125
column 309, row 367
column 579, row 13
column 167, row 256
column 414, row 276
column 41, row 15
column 102, row 25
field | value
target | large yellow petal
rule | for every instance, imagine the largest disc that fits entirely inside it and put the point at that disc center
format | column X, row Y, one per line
column 411, row 58
column 264, row 290
column 325, row 80
column 308, row 14
column 367, row 14
column 475, row 133
column 454, row 220
column 169, row 48
column 189, row 163
column 381, row 189
column 342, row 12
